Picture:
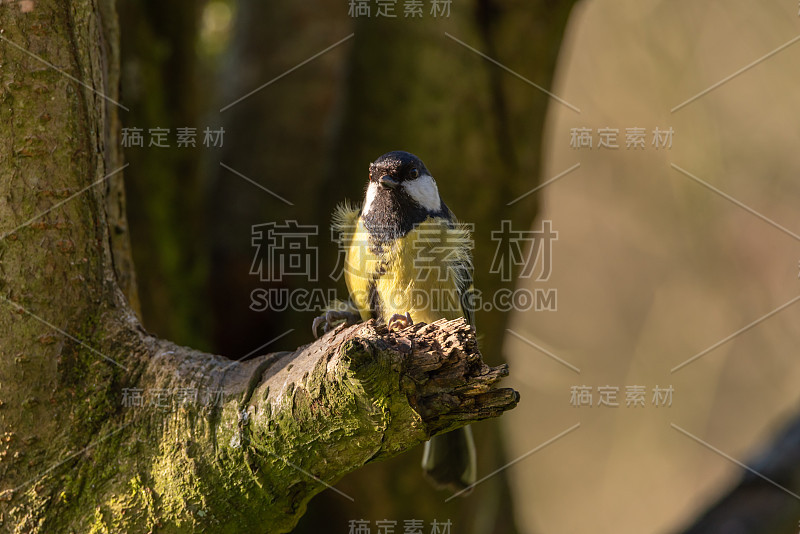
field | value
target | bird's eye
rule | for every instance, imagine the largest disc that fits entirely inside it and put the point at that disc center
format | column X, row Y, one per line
column 414, row 173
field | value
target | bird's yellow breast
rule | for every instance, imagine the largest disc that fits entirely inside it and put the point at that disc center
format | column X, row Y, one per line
column 416, row 273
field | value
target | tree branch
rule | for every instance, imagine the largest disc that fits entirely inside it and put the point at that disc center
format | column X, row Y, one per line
column 295, row 422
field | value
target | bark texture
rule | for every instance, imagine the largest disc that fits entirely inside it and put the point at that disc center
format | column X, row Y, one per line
column 72, row 456
column 293, row 422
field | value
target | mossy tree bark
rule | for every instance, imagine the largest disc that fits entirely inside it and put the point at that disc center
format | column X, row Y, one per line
column 72, row 456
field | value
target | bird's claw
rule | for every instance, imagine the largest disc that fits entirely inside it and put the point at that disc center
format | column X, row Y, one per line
column 399, row 321
column 329, row 320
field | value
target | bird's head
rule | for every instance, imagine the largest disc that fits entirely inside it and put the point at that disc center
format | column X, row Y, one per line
column 400, row 181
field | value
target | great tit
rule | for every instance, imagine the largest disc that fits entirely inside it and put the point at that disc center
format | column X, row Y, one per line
column 408, row 260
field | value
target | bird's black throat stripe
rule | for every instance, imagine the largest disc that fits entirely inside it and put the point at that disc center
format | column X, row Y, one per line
column 374, row 299
column 375, row 305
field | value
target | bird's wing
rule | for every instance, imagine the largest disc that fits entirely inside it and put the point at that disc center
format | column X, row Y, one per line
column 461, row 264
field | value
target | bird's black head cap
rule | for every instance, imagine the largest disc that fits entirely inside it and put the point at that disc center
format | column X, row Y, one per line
column 398, row 165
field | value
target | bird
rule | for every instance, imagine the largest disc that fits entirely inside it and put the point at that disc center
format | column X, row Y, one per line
column 408, row 260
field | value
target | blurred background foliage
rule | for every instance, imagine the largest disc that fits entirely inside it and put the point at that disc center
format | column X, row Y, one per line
column 650, row 266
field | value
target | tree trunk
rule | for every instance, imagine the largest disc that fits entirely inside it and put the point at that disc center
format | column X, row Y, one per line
column 107, row 428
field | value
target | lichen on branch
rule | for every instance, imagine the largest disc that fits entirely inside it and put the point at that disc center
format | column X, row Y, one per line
column 296, row 422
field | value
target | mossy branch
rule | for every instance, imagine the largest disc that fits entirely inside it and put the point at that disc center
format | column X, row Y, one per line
column 296, row 422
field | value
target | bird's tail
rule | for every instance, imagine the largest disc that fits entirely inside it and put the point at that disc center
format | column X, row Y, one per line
column 449, row 460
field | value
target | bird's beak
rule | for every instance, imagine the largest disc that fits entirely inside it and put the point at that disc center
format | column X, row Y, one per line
column 387, row 182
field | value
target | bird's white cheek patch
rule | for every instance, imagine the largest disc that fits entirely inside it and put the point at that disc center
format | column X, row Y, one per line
column 424, row 191
column 372, row 191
